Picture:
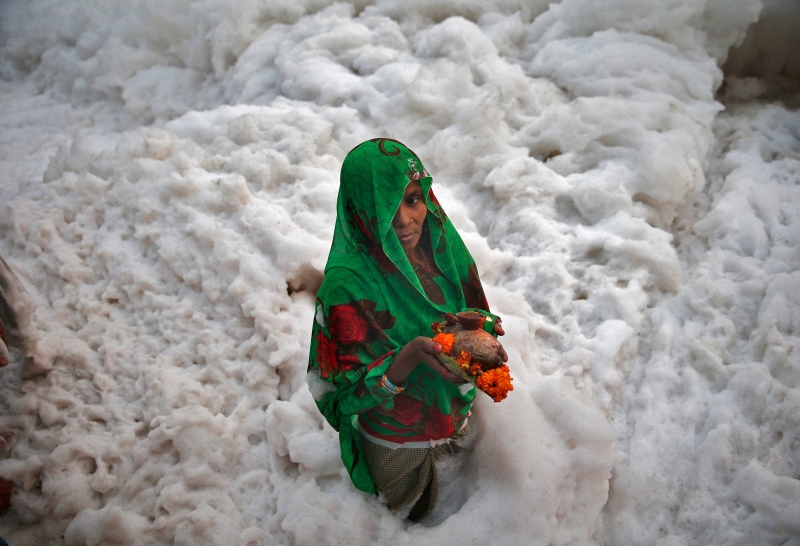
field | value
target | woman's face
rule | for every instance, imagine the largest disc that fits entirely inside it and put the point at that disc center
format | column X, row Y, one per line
column 410, row 217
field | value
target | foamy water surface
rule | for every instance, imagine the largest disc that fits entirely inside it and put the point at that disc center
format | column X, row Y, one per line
column 168, row 181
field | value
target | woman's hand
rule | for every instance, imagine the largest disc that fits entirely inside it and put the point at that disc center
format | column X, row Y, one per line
column 420, row 349
column 498, row 329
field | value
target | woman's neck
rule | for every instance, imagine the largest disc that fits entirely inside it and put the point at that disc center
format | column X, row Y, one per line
column 417, row 256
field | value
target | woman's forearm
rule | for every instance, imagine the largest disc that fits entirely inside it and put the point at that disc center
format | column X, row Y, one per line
column 404, row 363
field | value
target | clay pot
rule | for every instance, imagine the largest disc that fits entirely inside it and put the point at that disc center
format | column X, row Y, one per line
column 470, row 320
column 472, row 338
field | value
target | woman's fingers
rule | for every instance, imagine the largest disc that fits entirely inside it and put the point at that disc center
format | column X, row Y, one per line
column 446, row 374
column 428, row 346
column 498, row 329
column 436, row 365
column 433, row 362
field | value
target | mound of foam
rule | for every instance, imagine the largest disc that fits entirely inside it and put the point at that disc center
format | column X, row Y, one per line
column 168, row 199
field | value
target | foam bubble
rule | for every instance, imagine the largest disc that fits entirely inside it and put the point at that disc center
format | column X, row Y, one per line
column 170, row 175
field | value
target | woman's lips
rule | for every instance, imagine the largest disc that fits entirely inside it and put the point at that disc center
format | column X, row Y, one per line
column 407, row 238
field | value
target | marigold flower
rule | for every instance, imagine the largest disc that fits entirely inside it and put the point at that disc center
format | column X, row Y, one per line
column 496, row 383
column 446, row 341
column 464, row 359
column 475, row 369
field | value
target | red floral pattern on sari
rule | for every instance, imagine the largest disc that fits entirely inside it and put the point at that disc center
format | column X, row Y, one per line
column 328, row 358
column 373, row 247
column 473, row 289
column 326, row 354
column 438, row 425
column 441, row 217
column 407, row 410
column 347, row 325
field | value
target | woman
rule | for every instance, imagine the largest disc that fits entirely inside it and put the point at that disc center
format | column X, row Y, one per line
column 396, row 265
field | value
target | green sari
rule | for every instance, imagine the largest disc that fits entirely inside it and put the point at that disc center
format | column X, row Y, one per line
column 373, row 301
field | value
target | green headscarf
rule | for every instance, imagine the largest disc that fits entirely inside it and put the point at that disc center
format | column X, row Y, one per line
column 373, row 302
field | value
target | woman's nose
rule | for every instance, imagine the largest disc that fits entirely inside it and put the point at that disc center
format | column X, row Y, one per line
column 401, row 219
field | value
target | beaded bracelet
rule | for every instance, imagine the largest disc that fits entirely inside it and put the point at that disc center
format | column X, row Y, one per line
column 391, row 388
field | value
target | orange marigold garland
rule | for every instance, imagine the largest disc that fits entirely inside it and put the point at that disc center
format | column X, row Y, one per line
column 496, row 383
column 446, row 341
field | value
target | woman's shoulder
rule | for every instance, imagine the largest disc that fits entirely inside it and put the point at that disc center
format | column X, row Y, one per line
column 345, row 282
column 345, row 276
column 345, row 273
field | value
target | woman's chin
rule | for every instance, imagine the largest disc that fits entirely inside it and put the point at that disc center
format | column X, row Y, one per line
column 409, row 246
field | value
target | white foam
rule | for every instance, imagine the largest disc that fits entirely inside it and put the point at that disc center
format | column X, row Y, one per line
column 168, row 181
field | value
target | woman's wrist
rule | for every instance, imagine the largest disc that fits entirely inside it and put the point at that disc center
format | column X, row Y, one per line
column 406, row 360
column 388, row 386
column 401, row 367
